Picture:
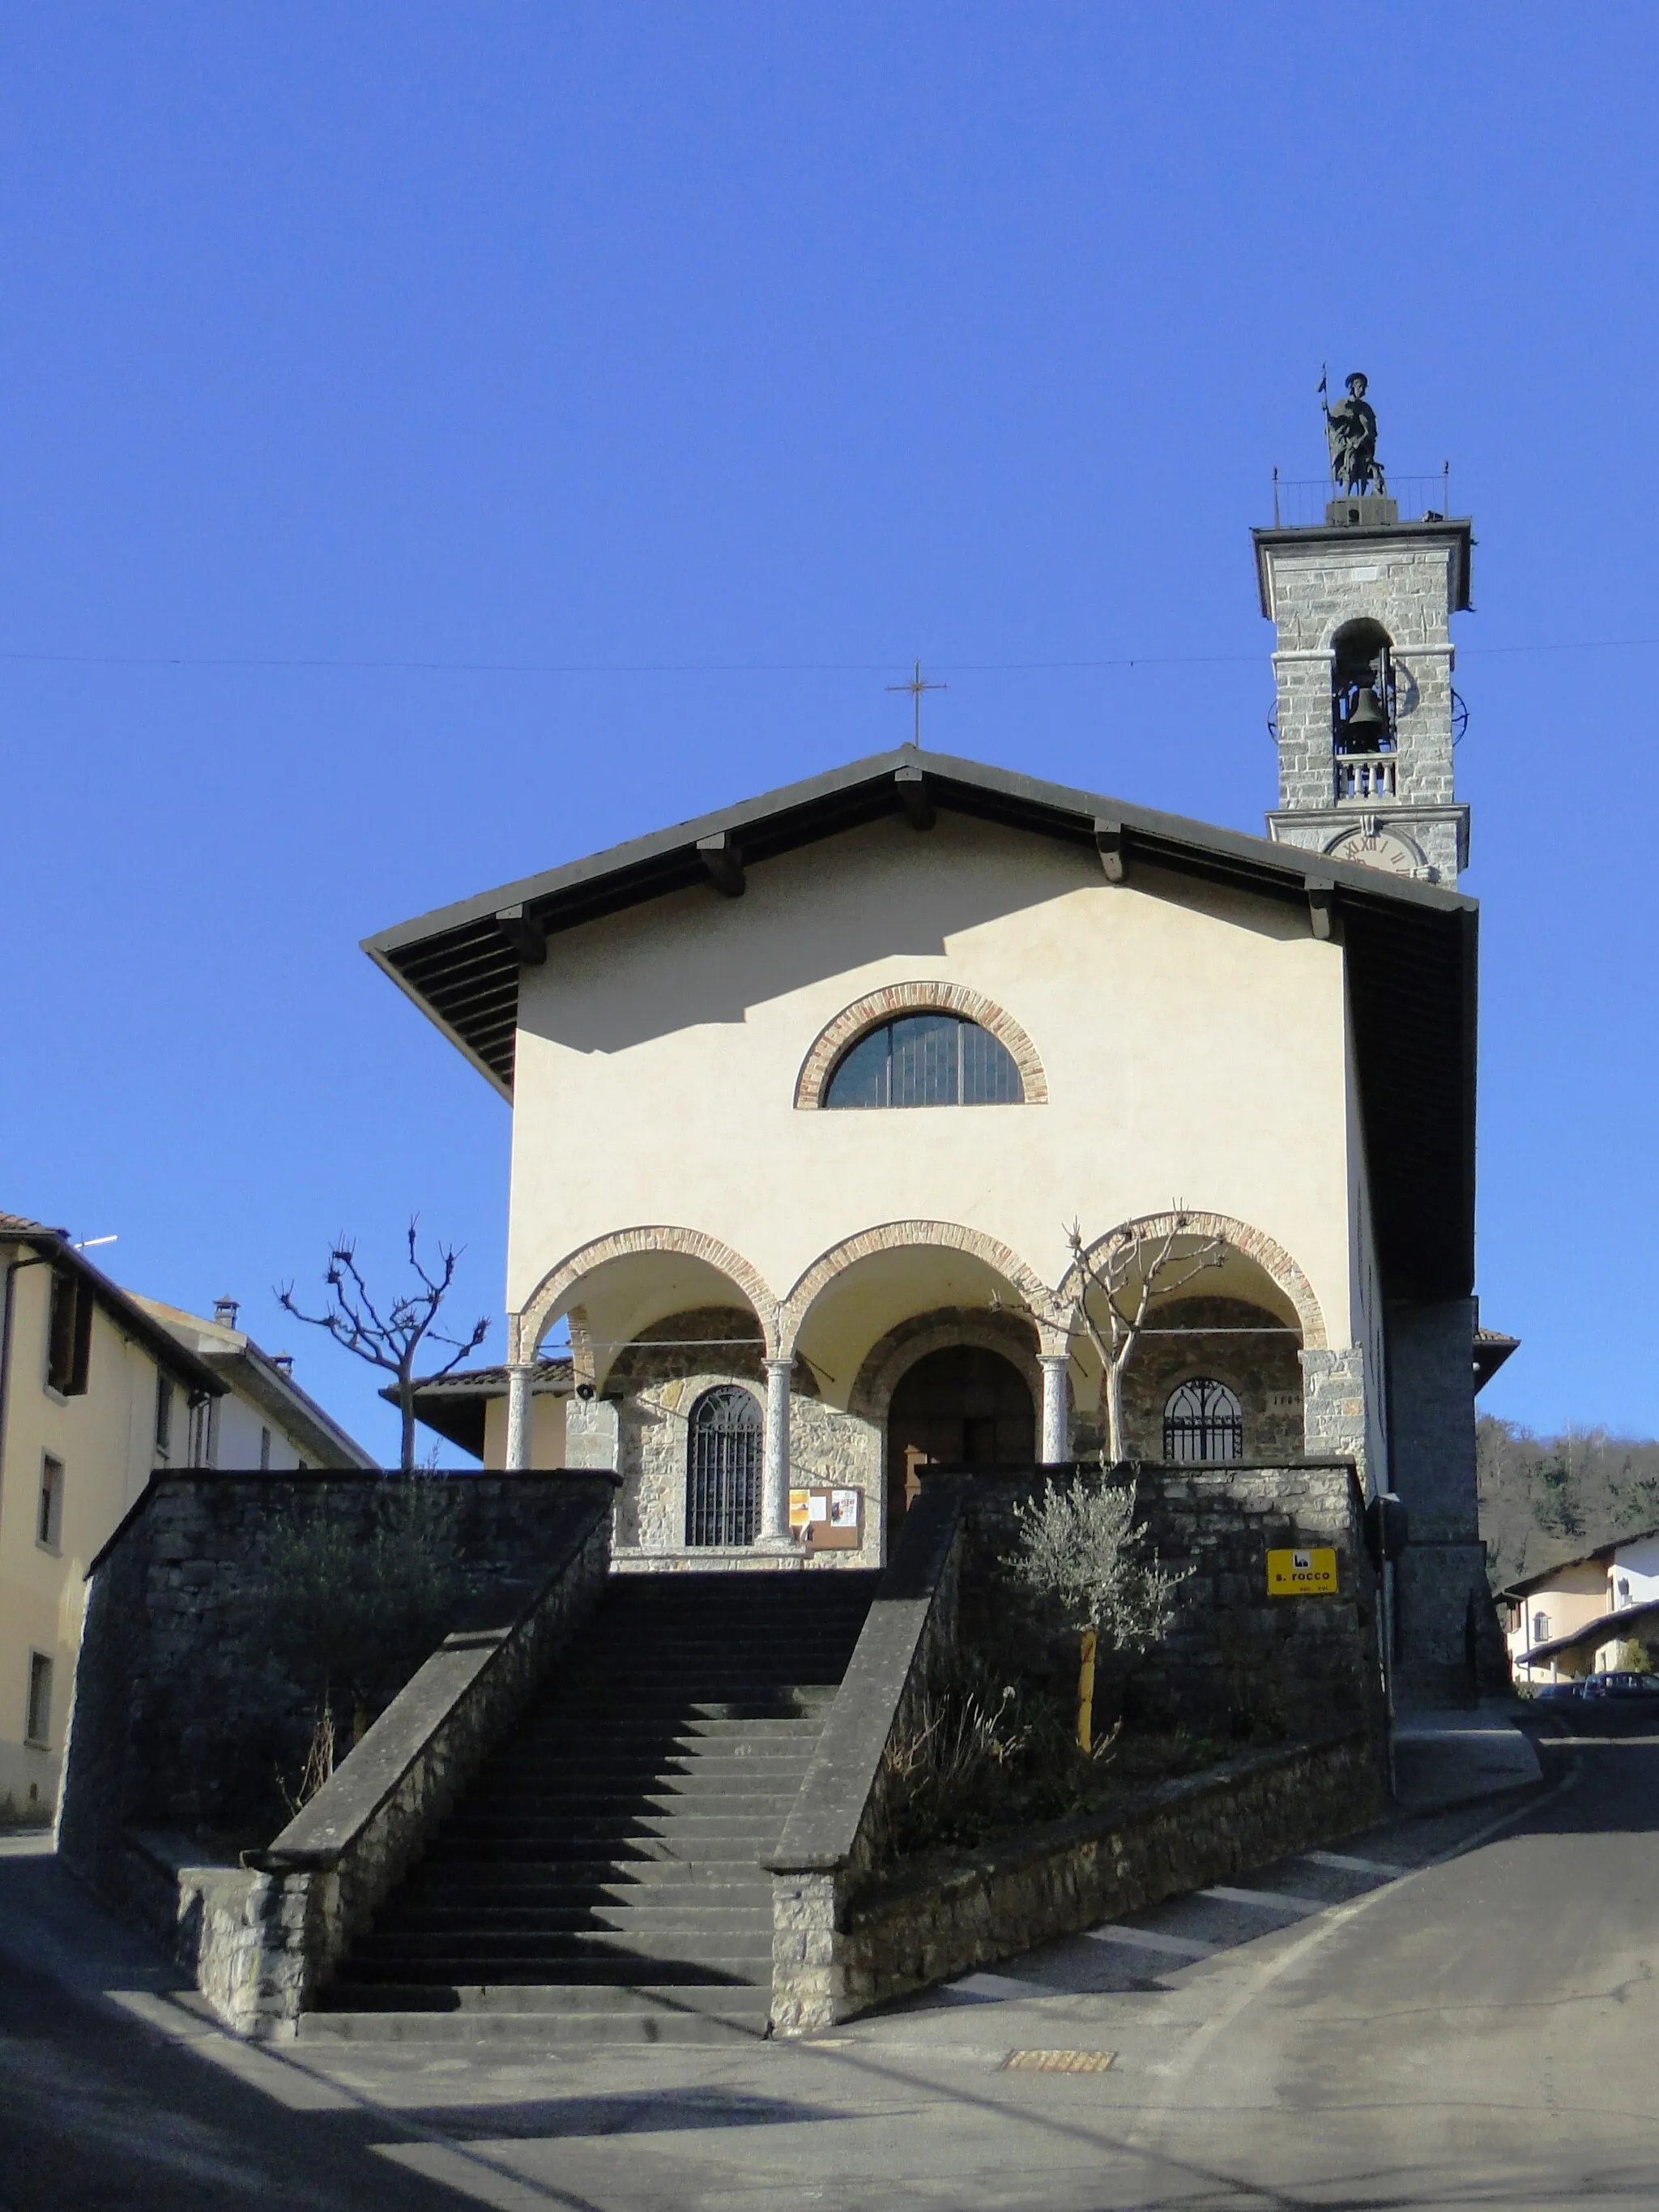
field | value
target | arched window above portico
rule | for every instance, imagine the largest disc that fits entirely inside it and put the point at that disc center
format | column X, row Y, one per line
column 921, row 1044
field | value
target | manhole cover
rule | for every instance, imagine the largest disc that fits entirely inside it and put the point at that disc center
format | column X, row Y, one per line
column 1057, row 2062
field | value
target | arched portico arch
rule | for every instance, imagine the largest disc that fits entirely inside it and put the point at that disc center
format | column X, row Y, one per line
column 585, row 1270
column 1252, row 1246
column 994, row 1259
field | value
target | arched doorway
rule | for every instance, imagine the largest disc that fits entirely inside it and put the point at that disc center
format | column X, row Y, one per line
column 961, row 1407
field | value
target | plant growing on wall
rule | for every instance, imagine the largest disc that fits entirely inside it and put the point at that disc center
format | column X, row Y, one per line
column 1082, row 1554
column 393, row 1342
column 1119, row 1280
column 352, row 1612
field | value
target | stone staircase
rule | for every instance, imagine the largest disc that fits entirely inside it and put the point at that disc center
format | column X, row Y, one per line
column 601, row 1882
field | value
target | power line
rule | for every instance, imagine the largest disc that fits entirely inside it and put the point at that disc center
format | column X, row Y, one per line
column 725, row 667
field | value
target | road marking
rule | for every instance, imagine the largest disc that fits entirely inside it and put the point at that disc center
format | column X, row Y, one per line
column 1144, row 1939
column 1344, row 1864
column 1267, row 1900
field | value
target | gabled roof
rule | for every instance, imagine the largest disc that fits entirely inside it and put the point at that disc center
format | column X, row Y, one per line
column 1411, row 952
column 252, row 1374
column 1524, row 1585
column 1491, row 1348
column 457, row 1405
column 54, row 1245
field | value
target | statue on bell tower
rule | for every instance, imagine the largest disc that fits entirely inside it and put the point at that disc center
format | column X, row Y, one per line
column 1351, row 433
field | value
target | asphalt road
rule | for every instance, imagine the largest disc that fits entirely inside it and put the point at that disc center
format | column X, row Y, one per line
column 1459, row 2013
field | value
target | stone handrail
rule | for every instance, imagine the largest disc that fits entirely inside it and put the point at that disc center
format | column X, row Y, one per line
column 834, row 1831
column 321, row 1879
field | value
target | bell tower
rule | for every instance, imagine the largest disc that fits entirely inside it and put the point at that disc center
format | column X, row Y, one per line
column 1361, row 583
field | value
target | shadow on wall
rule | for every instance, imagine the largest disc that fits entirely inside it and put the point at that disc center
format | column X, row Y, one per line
column 882, row 892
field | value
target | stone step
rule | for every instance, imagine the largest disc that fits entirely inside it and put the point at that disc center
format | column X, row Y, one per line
column 702, row 2000
column 710, row 1918
column 508, row 1878
column 617, row 1850
column 556, row 1958
column 521, row 1804
column 548, row 2031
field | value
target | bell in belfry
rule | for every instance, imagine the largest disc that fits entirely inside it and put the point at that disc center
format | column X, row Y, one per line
column 1366, row 723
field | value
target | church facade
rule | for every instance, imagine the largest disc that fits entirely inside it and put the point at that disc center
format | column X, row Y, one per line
column 810, row 1095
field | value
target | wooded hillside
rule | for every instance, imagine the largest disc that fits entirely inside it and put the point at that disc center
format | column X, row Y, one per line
column 1548, row 1498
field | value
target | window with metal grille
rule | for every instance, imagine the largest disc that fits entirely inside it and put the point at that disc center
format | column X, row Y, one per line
column 723, row 1468
column 926, row 1060
column 1203, row 1421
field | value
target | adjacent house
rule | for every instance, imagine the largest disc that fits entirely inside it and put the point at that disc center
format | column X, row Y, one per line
column 1574, row 1618
column 265, row 1419
column 97, row 1389
column 93, row 1392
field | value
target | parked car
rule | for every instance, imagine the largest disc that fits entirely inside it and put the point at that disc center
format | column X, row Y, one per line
column 1622, row 1684
column 1559, row 1693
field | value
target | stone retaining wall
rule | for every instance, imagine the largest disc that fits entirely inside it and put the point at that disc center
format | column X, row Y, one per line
column 180, row 1716
column 937, row 1922
column 1235, row 1659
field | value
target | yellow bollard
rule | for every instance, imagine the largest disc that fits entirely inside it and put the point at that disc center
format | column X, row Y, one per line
column 1086, row 1693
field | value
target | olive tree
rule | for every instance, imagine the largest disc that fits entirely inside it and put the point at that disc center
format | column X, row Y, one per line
column 1082, row 1555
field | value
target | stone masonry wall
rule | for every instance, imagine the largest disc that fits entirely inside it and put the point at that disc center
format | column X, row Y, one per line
column 182, row 1718
column 1405, row 584
column 936, row 1922
column 658, row 1379
column 1235, row 1659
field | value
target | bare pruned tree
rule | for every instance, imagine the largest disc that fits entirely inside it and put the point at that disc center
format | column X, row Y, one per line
column 1135, row 1264
column 390, row 1341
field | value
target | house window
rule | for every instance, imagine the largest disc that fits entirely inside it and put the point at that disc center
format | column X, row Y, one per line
column 723, row 1468
column 204, row 1432
column 1541, row 1628
column 1203, row 1421
column 926, row 1060
column 1624, row 1589
column 265, row 1451
column 68, row 1333
column 49, row 1520
column 37, row 1724
column 163, row 1416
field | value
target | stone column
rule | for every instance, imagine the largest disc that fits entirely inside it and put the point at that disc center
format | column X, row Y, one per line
column 774, row 1473
column 1056, row 1428
column 518, row 1404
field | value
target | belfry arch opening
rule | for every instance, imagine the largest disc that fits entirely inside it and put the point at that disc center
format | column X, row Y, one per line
column 1363, row 703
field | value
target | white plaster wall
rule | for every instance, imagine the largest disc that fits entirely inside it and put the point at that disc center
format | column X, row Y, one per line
column 1638, row 1563
column 546, row 1432
column 1192, row 1038
column 105, row 1439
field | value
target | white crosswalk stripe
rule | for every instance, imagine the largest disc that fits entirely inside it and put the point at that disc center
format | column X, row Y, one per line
column 1147, row 1939
column 1266, row 1900
column 1344, row 1864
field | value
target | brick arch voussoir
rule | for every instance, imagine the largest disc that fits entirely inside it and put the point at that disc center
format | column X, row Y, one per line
column 1274, row 1261
column 538, row 1311
column 897, row 998
column 942, row 1235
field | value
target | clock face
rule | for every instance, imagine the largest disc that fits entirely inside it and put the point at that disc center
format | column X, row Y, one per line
column 1377, row 849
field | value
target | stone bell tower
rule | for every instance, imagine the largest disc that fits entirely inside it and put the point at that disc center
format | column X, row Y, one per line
column 1365, row 716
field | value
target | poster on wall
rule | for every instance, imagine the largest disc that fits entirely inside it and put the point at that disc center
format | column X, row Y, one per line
column 828, row 1519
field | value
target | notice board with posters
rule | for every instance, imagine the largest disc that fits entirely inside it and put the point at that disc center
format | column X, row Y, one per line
column 827, row 1517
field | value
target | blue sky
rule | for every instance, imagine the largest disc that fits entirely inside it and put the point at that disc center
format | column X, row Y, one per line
column 365, row 371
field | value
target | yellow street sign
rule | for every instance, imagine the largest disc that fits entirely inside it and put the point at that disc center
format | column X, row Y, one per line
column 1301, row 1574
